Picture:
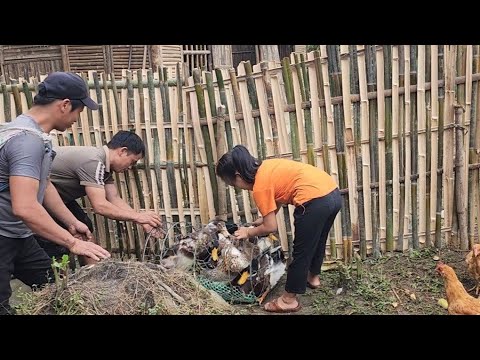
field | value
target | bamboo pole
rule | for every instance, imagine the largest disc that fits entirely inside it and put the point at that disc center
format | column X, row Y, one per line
column 206, row 136
column 350, row 169
column 210, row 111
column 414, row 153
column 460, row 178
column 373, row 147
column 207, row 207
column 341, row 158
column 365, row 149
column 177, row 143
column 107, row 118
column 133, row 181
column 103, row 239
column 429, row 147
column 252, row 94
column 229, row 136
column 16, row 97
column 6, row 102
column 182, row 156
column 384, row 218
column 326, row 116
column 434, row 136
column 150, row 118
column 396, row 132
column 474, row 144
column 303, row 82
column 221, row 149
column 123, row 177
column 448, row 113
column 28, row 94
column 238, row 106
column 357, row 151
column 287, row 78
column 422, row 145
column 471, row 129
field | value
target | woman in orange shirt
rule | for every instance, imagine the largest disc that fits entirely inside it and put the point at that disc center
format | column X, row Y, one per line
column 317, row 201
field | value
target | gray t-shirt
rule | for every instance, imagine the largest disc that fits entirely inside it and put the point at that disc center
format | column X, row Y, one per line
column 76, row 167
column 26, row 154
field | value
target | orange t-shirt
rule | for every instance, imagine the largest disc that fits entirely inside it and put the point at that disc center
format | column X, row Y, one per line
column 283, row 181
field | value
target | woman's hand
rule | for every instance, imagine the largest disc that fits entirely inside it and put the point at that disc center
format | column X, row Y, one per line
column 242, row 233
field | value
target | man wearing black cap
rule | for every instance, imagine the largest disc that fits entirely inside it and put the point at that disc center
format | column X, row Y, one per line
column 25, row 158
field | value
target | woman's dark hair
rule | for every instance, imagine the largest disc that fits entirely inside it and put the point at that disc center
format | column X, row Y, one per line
column 238, row 160
column 41, row 99
column 128, row 139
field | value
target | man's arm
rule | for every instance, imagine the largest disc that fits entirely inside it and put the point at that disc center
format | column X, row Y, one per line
column 54, row 204
column 26, row 207
column 112, row 196
column 102, row 206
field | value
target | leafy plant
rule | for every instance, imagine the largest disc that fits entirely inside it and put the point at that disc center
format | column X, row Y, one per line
column 60, row 271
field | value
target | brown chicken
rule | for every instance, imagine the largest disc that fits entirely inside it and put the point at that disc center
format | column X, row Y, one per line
column 459, row 301
column 473, row 264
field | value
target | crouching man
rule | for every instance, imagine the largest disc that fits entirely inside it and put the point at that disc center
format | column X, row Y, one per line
column 86, row 170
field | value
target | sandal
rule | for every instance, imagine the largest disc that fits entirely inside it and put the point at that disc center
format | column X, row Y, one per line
column 275, row 308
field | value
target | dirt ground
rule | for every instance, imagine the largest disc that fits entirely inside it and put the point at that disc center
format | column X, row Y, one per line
column 397, row 284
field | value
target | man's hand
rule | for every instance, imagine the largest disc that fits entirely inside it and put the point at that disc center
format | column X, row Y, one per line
column 149, row 218
column 89, row 249
column 80, row 231
column 155, row 232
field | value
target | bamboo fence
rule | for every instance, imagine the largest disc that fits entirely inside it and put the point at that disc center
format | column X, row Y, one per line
column 396, row 126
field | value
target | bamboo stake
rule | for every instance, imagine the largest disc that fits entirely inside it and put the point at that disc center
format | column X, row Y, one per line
column 163, row 116
column 28, row 94
column 252, row 94
column 396, row 130
column 315, row 108
column 264, row 110
column 16, row 98
column 107, row 118
column 325, row 118
column 132, row 176
column 123, row 120
column 103, row 239
column 350, row 151
column 450, row 56
column 238, row 106
column 6, row 103
column 365, row 151
column 434, row 136
column 268, row 89
column 305, row 96
column 460, row 178
column 207, row 208
column 221, row 149
column 181, row 151
column 471, row 128
column 287, row 78
column 414, row 154
column 206, row 136
column 429, row 146
column 474, row 144
column 422, row 145
column 373, row 147
column 209, row 94
column 341, row 161
column 357, row 152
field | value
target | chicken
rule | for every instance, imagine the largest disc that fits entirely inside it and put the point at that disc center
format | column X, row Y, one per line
column 473, row 265
column 459, row 301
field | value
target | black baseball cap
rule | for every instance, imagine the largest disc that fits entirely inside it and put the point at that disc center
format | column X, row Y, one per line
column 68, row 85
